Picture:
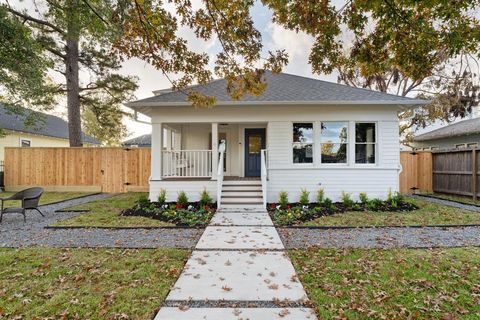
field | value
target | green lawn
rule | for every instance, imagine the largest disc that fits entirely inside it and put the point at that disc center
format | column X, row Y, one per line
column 427, row 214
column 463, row 199
column 47, row 197
column 391, row 284
column 106, row 213
column 41, row 283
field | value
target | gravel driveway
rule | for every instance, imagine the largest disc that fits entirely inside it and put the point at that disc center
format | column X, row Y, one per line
column 15, row 233
column 381, row 237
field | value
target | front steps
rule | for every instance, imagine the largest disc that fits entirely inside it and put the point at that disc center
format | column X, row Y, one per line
column 242, row 194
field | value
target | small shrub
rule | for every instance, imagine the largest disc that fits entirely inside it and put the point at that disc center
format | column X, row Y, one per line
column 283, row 199
column 320, row 195
column 395, row 198
column 347, row 199
column 182, row 199
column 374, row 204
column 356, row 207
column 363, row 197
column 162, row 197
column 205, row 198
column 328, row 203
column 304, row 197
column 143, row 201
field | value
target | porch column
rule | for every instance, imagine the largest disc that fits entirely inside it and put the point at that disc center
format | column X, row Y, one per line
column 214, row 150
column 156, row 149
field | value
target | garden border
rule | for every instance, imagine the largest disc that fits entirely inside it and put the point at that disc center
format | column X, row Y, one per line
column 75, row 198
column 440, row 198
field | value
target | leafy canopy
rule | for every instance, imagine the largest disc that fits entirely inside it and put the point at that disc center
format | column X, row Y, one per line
column 405, row 47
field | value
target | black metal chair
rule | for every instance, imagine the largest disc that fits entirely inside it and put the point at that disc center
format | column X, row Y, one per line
column 29, row 197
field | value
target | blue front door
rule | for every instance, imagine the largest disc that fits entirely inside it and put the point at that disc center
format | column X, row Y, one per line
column 254, row 143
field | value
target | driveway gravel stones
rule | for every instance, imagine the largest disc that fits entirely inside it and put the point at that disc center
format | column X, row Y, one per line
column 15, row 233
column 389, row 237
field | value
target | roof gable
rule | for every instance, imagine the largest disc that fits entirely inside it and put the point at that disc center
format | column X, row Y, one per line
column 465, row 127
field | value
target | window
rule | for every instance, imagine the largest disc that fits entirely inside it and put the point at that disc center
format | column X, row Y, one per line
column 472, row 145
column 302, row 143
column 459, row 146
column 365, row 142
column 333, row 142
column 25, row 143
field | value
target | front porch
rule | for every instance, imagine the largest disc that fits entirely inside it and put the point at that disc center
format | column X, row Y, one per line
column 196, row 156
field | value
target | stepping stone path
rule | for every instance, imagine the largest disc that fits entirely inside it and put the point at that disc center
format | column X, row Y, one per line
column 238, row 270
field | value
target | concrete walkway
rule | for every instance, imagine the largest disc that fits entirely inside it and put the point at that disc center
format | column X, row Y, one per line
column 239, row 270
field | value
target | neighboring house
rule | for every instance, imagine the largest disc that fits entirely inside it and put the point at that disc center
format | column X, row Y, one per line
column 49, row 131
column 461, row 134
column 301, row 133
column 144, row 141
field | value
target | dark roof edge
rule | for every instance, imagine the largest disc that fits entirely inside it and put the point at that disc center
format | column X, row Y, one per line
column 412, row 102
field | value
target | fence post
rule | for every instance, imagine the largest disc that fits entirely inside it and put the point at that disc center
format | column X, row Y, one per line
column 474, row 173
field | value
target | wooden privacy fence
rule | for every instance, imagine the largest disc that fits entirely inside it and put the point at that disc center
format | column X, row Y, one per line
column 416, row 171
column 78, row 169
column 122, row 170
column 457, row 172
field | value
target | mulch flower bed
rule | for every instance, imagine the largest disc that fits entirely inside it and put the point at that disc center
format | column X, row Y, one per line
column 191, row 214
column 297, row 213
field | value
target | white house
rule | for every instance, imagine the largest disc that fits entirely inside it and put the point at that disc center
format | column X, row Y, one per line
column 301, row 133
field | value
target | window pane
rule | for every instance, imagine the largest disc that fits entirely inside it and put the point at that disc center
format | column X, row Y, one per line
column 302, row 153
column 364, row 153
column 25, row 143
column 303, row 132
column 334, row 153
column 254, row 144
column 365, row 132
column 334, row 132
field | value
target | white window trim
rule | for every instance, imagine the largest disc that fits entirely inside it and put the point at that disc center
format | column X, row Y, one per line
column 320, row 163
column 376, row 144
column 25, row 139
column 313, row 163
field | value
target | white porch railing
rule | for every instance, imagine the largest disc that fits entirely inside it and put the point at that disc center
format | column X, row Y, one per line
column 264, row 175
column 187, row 163
column 220, row 179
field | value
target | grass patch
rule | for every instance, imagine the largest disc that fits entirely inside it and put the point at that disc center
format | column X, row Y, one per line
column 427, row 214
column 462, row 199
column 391, row 284
column 106, row 213
column 86, row 283
column 46, row 198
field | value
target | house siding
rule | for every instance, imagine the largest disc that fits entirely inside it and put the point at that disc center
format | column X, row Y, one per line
column 283, row 175
column 375, row 179
column 12, row 139
column 191, row 188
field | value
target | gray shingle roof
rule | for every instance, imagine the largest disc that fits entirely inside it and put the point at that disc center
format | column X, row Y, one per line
column 47, row 125
column 284, row 87
column 465, row 127
column 141, row 141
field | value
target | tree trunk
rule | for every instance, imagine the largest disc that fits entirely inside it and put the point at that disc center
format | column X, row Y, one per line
column 72, row 77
